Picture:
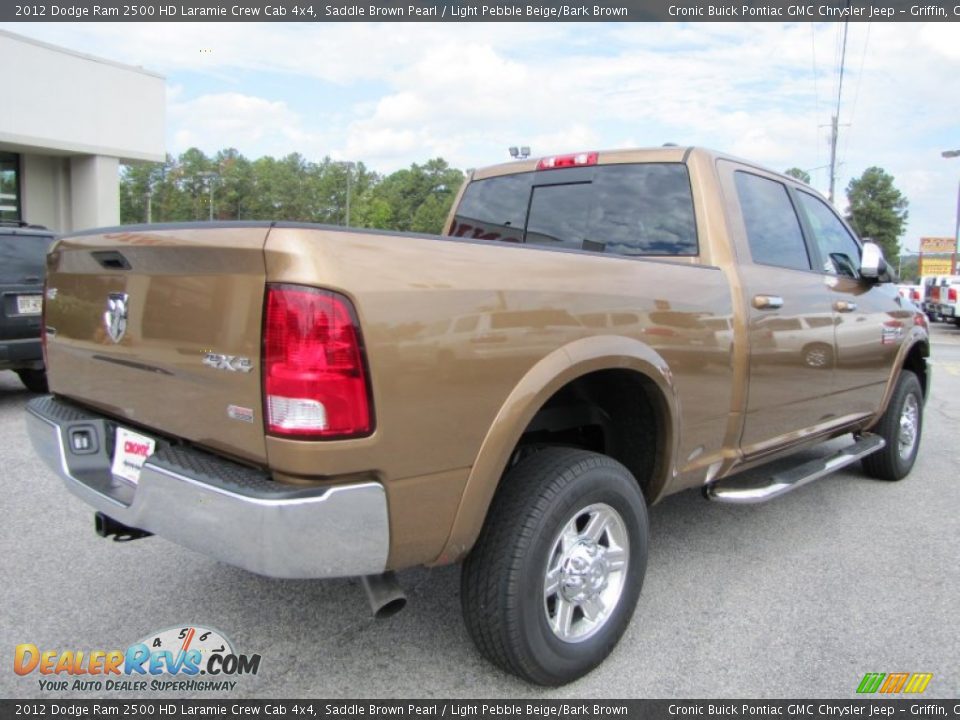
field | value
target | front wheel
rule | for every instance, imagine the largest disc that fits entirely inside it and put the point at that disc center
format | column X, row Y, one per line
column 900, row 426
column 553, row 580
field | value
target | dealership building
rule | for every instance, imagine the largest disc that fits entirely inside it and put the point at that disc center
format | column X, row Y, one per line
column 68, row 121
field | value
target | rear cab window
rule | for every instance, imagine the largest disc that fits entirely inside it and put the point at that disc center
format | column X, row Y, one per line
column 634, row 209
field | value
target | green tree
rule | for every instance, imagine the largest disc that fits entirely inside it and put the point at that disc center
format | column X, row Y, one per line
column 233, row 185
column 289, row 188
column 138, row 181
column 420, row 197
column 878, row 210
column 801, row 175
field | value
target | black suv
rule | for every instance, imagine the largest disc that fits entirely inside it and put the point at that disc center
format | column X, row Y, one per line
column 23, row 250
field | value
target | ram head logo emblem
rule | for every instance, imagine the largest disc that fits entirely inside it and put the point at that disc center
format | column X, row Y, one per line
column 115, row 318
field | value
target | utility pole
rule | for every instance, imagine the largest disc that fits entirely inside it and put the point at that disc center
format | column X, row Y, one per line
column 834, row 132
column 210, row 177
column 956, row 231
column 833, row 156
column 349, row 182
column 348, row 166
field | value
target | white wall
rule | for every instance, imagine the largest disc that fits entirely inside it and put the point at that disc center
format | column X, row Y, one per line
column 73, row 118
column 58, row 100
column 94, row 192
column 45, row 191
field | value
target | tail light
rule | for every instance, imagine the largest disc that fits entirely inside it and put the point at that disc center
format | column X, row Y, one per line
column 952, row 295
column 915, row 295
column 314, row 370
column 565, row 161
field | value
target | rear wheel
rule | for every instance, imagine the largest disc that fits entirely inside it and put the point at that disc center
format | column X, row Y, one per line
column 34, row 380
column 553, row 580
column 900, row 426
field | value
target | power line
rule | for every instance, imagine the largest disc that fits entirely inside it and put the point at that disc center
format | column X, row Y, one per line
column 843, row 60
column 816, row 92
column 856, row 93
column 834, row 121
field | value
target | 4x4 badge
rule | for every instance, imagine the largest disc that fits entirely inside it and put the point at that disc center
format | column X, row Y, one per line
column 115, row 318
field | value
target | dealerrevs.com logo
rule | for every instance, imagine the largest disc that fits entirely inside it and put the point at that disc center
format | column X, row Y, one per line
column 186, row 659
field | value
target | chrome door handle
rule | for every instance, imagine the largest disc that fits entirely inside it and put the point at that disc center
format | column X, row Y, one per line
column 844, row 306
column 767, row 302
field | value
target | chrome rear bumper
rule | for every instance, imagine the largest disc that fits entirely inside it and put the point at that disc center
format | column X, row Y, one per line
column 215, row 506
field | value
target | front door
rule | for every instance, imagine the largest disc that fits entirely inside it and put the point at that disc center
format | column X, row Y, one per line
column 871, row 319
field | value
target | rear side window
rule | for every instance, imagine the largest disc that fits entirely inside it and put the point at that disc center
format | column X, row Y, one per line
column 23, row 257
column 636, row 209
column 773, row 229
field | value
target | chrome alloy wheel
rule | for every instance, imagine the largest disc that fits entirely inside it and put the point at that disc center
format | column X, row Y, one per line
column 909, row 426
column 586, row 572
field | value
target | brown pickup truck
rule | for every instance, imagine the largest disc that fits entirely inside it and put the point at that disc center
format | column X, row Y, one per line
column 594, row 332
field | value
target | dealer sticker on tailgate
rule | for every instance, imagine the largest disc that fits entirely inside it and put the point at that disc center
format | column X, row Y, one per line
column 131, row 451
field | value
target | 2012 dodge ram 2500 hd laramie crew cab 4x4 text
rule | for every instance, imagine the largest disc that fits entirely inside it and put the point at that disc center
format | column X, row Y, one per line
column 595, row 332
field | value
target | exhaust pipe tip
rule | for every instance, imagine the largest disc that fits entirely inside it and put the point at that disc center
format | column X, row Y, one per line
column 384, row 594
column 105, row 526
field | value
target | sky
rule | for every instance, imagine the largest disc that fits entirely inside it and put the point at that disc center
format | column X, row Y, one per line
column 392, row 94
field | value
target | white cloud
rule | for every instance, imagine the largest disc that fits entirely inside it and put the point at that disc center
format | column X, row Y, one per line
column 214, row 121
column 403, row 92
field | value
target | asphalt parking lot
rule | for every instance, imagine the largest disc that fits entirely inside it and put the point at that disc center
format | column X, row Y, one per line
column 797, row 598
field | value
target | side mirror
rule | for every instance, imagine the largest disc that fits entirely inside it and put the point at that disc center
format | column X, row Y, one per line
column 872, row 265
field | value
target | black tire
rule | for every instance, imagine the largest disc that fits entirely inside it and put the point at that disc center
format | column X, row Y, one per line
column 895, row 462
column 503, row 586
column 34, row 380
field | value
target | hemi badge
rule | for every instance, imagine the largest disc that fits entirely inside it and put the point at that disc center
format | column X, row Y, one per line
column 235, row 412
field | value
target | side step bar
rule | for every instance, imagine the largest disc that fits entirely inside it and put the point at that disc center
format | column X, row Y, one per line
column 750, row 491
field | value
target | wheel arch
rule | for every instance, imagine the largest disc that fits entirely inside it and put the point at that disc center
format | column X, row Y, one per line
column 914, row 356
column 610, row 361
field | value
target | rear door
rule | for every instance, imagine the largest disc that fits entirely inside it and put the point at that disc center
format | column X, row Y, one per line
column 790, row 320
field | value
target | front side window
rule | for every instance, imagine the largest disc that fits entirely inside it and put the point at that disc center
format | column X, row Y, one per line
column 773, row 229
column 840, row 252
column 629, row 209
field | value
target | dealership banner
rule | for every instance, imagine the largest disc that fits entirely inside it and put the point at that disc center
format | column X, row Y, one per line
column 479, row 11
column 500, row 709
column 938, row 245
column 935, row 266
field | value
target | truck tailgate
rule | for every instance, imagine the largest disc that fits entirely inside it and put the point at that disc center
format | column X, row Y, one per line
column 161, row 328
